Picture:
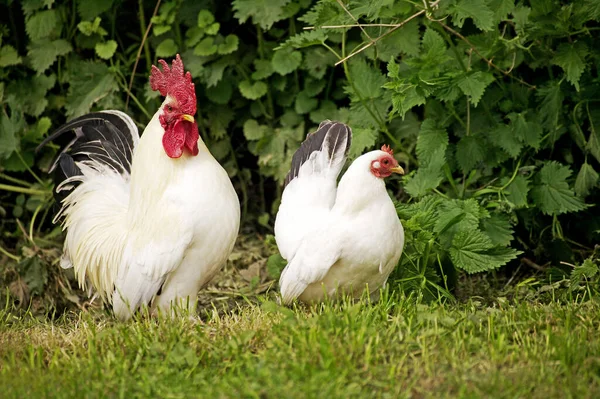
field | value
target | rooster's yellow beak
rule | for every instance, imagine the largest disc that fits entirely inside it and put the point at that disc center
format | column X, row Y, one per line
column 398, row 169
column 187, row 117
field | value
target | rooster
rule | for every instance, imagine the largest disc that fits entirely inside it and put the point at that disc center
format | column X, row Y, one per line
column 150, row 220
column 337, row 239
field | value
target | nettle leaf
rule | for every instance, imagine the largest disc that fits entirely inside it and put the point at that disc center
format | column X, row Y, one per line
column 497, row 227
column 304, row 39
column 42, row 24
column 474, row 85
column 551, row 191
column 433, row 46
column 89, row 9
column 571, row 58
column 206, row 47
column 459, row 215
column 427, row 177
column 368, row 81
column 504, row 137
column 90, row 82
column 106, row 50
column 317, row 60
column 431, row 139
column 9, row 56
column 43, row 53
column 167, row 48
column 477, row 10
column 230, row 44
column 473, row 251
column 405, row 40
column 29, row 95
column 587, row 179
column 286, row 61
column 470, row 151
column 517, row 190
column 501, row 8
column 213, row 29
column 405, row 97
column 253, row 91
column 219, row 119
column 263, row 12
column 552, row 98
column 529, row 132
column 264, row 69
column 88, row 28
column 361, row 139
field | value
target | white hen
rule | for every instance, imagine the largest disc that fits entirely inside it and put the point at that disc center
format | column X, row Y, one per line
column 149, row 220
column 337, row 240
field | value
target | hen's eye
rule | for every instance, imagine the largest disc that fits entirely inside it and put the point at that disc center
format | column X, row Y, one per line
column 385, row 162
column 169, row 108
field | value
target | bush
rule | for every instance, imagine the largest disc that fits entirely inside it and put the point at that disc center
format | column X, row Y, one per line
column 490, row 105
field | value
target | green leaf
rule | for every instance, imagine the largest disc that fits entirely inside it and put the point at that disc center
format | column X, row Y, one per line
column 586, row 270
column 450, row 210
column 552, row 193
column 206, row 47
column 253, row 91
column 43, row 53
column 361, row 139
column 516, row 191
column 426, row 178
column 473, row 251
column 90, row 82
column 89, row 9
column 9, row 56
column 167, row 48
column 474, row 85
column 498, row 229
column 405, row 98
column 525, row 130
column 571, row 58
column 230, row 44
column 406, row 40
column 213, row 29
column 158, row 29
column 9, row 129
column 254, row 131
column 470, row 151
column 431, row 139
column 587, row 179
column 504, row 137
column 263, row 12
column 106, row 50
column 42, row 24
column 221, row 93
column 477, row 10
column 305, row 102
column 286, row 61
column 205, row 18
column 89, row 28
column 304, row 39
column 264, row 69
column 29, row 95
column 550, row 109
column 368, row 81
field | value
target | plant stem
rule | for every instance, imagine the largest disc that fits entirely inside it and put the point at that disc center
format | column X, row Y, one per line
column 15, row 180
column 22, row 190
column 13, row 257
column 28, row 168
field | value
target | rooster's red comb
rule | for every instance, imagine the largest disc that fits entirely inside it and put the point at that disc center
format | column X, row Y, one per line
column 387, row 148
column 176, row 83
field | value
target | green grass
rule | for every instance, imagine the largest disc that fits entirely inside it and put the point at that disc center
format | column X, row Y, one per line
column 393, row 348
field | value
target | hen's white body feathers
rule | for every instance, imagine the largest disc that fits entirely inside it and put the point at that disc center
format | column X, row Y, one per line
column 349, row 237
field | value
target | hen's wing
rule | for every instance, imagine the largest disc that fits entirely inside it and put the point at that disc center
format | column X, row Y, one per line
column 316, row 254
column 310, row 186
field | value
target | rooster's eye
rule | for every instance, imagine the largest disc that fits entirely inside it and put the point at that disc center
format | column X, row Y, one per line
column 169, row 108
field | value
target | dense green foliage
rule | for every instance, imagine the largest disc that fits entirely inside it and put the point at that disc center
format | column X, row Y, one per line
column 492, row 105
column 390, row 349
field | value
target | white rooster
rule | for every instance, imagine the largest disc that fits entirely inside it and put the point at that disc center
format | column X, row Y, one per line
column 149, row 220
column 337, row 239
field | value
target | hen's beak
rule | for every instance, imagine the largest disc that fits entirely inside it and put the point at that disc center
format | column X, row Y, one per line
column 187, row 117
column 398, row 169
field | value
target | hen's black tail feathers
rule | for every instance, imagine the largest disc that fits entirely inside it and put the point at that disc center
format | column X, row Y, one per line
column 333, row 137
column 106, row 137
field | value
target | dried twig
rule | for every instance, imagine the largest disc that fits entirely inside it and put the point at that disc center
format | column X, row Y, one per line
column 354, row 19
column 396, row 27
column 139, row 53
column 349, row 26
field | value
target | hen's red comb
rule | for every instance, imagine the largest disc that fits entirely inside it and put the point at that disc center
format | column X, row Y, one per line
column 176, row 83
column 387, row 148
